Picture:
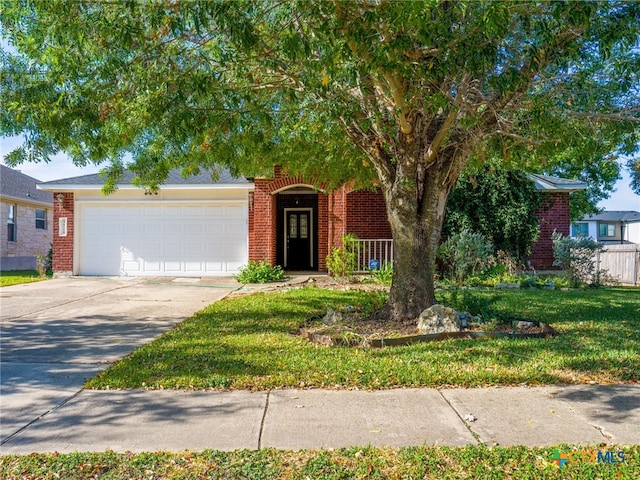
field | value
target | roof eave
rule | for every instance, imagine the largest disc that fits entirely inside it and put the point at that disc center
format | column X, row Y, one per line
column 26, row 200
column 542, row 184
column 68, row 187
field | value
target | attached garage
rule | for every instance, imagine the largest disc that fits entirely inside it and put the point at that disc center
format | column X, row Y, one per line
column 192, row 227
column 162, row 239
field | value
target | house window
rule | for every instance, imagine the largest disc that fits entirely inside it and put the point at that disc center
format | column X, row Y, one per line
column 580, row 230
column 11, row 223
column 41, row 219
column 607, row 230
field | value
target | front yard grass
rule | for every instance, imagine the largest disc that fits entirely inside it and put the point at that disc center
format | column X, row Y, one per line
column 16, row 277
column 250, row 343
column 473, row 462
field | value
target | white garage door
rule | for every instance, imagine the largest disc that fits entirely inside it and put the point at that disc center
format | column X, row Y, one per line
column 163, row 239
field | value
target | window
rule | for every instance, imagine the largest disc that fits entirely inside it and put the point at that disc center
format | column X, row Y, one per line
column 607, row 230
column 11, row 223
column 41, row 219
column 580, row 230
column 293, row 226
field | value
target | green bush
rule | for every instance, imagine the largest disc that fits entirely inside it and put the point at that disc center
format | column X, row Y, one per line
column 260, row 272
column 576, row 256
column 465, row 254
column 342, row 261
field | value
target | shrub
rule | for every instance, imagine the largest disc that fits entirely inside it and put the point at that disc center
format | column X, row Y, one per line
column 576, row 256
column 342, row 261
column 44, row 264
column 465, row 254
column 260, row 272
column 384, row 274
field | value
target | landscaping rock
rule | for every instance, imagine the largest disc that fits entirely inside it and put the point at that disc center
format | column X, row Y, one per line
column 523, row 325
column 332, row 317
column 507, row 285
column 438, row 319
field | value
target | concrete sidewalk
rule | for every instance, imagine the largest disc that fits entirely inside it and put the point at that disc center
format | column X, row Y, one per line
column 138, row 420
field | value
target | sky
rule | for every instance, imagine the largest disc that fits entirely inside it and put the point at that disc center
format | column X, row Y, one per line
column 61, row 167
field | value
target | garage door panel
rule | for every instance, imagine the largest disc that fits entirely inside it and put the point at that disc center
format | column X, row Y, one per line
column 161, row 239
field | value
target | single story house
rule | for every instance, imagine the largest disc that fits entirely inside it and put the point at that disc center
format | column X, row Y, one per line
column 27, row 213
column 198, row 227
column 609, row 227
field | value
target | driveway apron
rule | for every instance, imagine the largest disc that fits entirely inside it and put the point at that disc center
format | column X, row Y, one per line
column 56, row 334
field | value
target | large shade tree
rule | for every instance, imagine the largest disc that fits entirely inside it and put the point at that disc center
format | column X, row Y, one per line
column 402, row 94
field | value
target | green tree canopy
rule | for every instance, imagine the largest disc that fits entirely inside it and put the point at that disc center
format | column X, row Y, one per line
column 403, row 93
column 499, row 204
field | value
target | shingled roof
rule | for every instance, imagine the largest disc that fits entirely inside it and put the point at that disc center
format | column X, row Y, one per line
column 175, row 178
column 16, row 185
column 546, row 182
column 614, row 216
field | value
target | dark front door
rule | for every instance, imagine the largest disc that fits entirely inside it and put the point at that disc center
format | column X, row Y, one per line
column 298, row 239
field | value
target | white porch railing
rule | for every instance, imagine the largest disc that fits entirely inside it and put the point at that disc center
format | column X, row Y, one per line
column 367, row 250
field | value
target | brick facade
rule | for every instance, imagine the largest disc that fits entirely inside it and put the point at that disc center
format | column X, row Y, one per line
column 335, row 214
column 554, row 216
column 63, row 246
column 364, row 214
column 30, row 242
column 367, row 215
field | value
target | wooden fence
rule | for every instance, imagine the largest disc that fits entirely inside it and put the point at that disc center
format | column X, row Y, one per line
column 621, row 262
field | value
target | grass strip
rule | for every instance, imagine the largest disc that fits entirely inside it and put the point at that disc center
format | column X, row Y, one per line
column 16, row 277
column 474, row 462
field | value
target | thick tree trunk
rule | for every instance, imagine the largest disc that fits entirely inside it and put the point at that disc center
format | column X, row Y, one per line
column 416, row 228
column 416, row 209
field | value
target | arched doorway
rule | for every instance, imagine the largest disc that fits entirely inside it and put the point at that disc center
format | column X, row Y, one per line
column 297, row 227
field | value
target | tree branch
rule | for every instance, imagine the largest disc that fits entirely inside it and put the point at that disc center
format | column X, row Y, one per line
column 432, row 151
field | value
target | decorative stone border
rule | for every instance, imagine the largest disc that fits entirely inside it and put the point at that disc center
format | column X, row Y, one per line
column 400, row 341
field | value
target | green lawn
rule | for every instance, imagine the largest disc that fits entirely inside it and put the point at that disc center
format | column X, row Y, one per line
column 15, row 277
column 472, row 462
column 249, row 343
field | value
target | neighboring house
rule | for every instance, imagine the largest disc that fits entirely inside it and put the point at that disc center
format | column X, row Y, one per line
column 197, row 227
column 26, row 214
column 612, row 227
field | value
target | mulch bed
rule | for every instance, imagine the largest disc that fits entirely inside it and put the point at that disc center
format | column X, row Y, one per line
column 380, row 332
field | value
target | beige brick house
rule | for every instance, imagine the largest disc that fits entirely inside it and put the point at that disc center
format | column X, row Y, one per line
column 26, row 215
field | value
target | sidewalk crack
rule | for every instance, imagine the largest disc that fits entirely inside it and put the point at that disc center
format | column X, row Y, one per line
column 264, row 416
column 466, row 424
column 23, row 428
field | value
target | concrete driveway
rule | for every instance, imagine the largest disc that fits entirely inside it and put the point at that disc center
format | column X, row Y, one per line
column 56, row 334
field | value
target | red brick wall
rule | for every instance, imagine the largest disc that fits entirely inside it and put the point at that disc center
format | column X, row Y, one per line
column 63, row 246
column 554, row 215
column 262, row 223
column 263, row 219
column 323, row 231
column 337, row 216
column 367, row 215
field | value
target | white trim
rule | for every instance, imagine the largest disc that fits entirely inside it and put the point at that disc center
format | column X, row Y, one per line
column 69, row 187
column 27, row 201
column 560, row 185
column 311, row 233
column 307, row 185
column 154, row 201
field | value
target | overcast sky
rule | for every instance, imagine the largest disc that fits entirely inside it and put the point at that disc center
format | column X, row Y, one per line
column 62, row 167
